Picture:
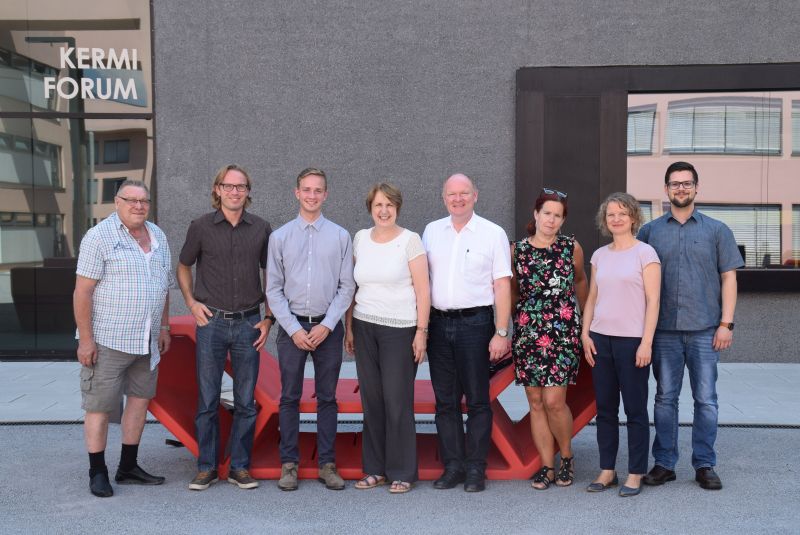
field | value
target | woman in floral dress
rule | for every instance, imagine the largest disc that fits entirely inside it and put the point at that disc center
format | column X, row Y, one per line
column 549, row 282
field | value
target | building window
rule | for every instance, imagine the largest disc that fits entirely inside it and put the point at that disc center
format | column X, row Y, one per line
column 116, row 151
column 647, row 211
column 641, row 125
column 23, row 80
column 795, row 232
column 92, row 191
column 43, row 170
column 756, row 227
column 731, row 125
column 796, row 128
column 110, row 188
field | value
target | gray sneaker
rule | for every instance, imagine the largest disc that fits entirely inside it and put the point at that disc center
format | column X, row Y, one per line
column 329, row 476
column 288, row 480
column 242, row 479
column 203, row 480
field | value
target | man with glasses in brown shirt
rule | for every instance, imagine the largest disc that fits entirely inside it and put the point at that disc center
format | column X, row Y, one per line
column 229, row 246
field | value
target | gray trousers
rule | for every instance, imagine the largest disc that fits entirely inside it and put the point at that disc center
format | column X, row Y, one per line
column 386, row 373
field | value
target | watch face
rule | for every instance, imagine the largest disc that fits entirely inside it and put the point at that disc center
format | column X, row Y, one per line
column 502, row 332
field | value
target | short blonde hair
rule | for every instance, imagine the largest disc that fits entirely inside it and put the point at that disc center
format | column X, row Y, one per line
column 391, row 192
column 629, row 203
column 215, row 200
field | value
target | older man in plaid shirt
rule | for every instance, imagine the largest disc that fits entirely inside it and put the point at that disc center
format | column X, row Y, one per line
column 122, row 313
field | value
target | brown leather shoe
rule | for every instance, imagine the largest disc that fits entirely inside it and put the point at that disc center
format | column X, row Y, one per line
column 288, row 480
column 708, row 478
column 329, row 476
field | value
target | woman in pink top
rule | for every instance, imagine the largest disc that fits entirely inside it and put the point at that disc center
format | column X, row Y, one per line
column 618, row 326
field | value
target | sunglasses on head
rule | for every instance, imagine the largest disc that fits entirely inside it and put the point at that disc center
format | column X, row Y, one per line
column 549, row 191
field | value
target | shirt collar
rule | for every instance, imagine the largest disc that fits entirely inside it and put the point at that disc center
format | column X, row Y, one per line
column 123, row 231
column 695, row 215
column 219, row 217
column 471, row 224
column 303, row 224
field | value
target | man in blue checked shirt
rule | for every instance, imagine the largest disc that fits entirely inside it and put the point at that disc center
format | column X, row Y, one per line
column 122, row 313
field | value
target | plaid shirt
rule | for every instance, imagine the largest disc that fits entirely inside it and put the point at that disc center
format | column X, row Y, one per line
column 130, row 290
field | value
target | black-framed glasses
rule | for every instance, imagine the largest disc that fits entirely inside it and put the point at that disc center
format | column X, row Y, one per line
column 687, row 184
column 549, row 191
column 134, row 202
column 241, row 188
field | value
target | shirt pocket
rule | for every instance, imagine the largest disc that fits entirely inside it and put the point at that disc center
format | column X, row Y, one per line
column 477, row 266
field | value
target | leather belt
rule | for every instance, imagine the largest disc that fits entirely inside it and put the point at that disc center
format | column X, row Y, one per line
column 309, row 319
column 459, row 312
column 235, row 315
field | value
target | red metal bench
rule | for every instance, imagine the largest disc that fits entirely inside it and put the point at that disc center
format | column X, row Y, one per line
column 512, row 454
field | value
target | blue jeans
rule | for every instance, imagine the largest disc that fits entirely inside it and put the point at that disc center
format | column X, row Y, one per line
column 672, row 350
column 458, row 357
column 327, row 360
column 214, row 341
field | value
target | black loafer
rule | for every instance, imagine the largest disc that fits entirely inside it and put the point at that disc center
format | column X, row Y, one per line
column 658, row 476
column 100, row 485
column 137, row 476
column 708, row 478
column 600, row 487
column 475, row 481
column 626, row 492
column 449, row 479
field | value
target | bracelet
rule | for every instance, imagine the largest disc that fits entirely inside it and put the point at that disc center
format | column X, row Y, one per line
column 423, row 329
column 166, row 328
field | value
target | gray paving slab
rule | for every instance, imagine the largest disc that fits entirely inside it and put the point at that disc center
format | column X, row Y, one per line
column 46, row 491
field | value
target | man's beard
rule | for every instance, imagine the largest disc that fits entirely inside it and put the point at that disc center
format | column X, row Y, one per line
column 682, row 203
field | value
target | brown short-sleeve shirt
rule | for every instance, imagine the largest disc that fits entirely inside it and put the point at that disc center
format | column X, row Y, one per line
column 229, row 259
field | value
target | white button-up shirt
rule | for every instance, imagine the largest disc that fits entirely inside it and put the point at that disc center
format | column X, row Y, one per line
column 464, row 265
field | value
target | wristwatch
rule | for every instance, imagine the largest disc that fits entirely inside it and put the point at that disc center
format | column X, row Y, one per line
column 726, row 324
column 270, row 317
column 502, row 332
column 165, row 328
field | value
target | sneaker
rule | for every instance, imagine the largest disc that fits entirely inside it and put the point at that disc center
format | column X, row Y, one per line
column 288, row 480
column 329, row 476
column 203, row 480
column 242, row 479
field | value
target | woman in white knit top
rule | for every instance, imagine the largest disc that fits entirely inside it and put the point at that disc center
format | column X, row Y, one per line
column 387, row 327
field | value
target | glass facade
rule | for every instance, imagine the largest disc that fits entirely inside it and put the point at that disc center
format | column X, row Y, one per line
column 740, row 145
column 64, row 151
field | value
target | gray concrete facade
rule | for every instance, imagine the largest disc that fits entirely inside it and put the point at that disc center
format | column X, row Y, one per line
column 408, row 91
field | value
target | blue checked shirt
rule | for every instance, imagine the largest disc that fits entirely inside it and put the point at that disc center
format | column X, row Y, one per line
column 130, row 293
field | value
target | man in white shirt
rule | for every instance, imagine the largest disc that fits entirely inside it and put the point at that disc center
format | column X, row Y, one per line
column 470, row 270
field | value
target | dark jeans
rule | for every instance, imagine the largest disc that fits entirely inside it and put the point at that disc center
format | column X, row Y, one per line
column 615, row 372
column 458, row 355
column 327, row 363
column 386, row 373
column 214, row 341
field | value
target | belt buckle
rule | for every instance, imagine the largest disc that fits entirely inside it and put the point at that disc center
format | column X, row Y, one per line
column 229, row 315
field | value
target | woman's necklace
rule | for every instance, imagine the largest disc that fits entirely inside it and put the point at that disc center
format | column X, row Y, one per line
column 542, row 244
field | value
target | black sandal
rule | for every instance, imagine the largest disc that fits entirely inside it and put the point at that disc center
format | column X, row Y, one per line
column 540, row 478
column 566, row 472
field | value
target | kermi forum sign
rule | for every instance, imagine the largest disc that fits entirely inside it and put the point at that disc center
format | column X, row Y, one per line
column 96, row 84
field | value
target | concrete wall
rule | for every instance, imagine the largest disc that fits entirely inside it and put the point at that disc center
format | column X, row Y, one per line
column 410, row 91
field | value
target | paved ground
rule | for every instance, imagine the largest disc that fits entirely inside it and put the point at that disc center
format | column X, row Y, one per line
column 45, row 471
column 45, row 491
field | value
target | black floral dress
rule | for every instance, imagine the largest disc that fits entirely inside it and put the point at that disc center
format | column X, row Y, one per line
column 547, row 325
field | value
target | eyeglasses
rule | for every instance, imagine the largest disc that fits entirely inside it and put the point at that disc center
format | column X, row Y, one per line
column 133, row 202
column 241, row 188
column 689, row 184
column 548, row 191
